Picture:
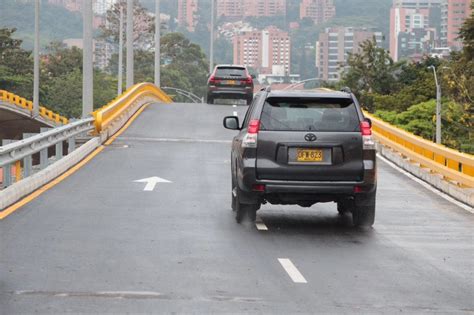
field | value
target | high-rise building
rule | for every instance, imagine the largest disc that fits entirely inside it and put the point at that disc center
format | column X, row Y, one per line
column 453, row 14
column 333, row 47
column 250, row 8
column 319, row 11
column 100, row 7
column 414, row 27
column 71, row 5
column 267, row 51
column 187, row 10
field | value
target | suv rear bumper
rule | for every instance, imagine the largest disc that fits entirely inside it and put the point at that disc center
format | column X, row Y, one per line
column 245, row 92
column 307, row 190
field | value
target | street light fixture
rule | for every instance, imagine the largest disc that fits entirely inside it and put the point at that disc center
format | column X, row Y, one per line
column 211, row 48
column 438, row 105
column 120, row 54
column 129, row 38
column 36, row 62
column 157, row 44
column 87, row 61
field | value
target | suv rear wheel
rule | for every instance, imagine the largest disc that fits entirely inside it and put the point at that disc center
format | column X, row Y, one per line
column 210, row 100
column 242, row 210
column 363, row 213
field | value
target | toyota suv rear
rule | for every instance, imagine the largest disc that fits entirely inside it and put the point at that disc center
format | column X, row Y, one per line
column 230, row 82
column 304, row 147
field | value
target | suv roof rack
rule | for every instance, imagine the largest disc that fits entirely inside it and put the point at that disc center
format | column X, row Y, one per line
column 346, row 89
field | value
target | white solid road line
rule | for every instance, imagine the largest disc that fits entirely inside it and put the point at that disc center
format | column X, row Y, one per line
column 426, row 185
column 260, row 225
column 292, row 271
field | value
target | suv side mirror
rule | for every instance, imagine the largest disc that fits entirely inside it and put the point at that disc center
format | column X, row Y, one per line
column 369, row 121
column 231, row 122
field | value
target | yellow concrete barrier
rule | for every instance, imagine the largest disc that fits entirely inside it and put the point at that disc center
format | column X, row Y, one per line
column 451, row 164
column 18, row 101
column 108, row 113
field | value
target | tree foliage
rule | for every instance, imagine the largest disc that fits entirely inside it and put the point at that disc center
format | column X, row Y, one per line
column 60, row 76
column 143, row 24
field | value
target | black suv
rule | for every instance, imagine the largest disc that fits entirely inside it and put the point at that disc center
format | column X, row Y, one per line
column 230, row 82
column 304, row 147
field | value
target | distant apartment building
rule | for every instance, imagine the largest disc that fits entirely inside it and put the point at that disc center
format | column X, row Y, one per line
column 187, row 10
column 71, row 5
column 319, row 11
column 100, row 7
column 267, row 51
column 414, row 27
column 333, row 47
column 453, row 15
column 250, row 8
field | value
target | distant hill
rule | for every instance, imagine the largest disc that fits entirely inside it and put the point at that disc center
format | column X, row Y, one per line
column 56, row 23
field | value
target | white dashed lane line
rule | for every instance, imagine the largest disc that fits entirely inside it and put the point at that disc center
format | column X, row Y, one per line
column 292, row 271
column 260, row 225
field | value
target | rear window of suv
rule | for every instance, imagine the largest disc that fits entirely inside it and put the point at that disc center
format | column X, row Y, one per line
column 304, row 114
column 231, row 72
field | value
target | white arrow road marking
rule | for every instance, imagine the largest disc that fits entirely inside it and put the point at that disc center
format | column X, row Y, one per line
column 292, row 271
column 151, row 182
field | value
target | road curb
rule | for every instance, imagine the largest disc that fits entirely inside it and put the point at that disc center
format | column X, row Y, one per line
column 14, row 193
column 464, row 195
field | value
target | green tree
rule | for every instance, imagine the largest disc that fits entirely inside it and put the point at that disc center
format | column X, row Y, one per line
column 16, row 64
column 143, row 24
column 371, row 71
column 61, row 60
column 467, row 35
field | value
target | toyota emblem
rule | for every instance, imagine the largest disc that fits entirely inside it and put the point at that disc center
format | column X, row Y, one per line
column 310, row 137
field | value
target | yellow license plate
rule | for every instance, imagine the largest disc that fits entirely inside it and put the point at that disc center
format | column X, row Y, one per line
column 309, row 155
column 231, row 82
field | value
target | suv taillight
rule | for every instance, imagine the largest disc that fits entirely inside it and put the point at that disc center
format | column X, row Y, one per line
column 367, row 140
column 212, row 80
column 249, row 80
column 250, row 138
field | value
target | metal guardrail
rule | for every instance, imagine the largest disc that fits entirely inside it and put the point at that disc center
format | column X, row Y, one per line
column 106, row 115
column 453, row 165
column 28, row 105
column 18, row 155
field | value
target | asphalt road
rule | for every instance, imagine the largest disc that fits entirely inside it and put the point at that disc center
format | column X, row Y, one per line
column 99, row 243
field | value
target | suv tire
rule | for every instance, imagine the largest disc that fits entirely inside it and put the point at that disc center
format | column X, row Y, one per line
column 344, row 206
column 244, row 210
column 363, row 214
column 210, row 100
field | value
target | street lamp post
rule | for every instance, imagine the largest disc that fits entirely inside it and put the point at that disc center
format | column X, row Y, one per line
column 438, row 105
column 211, row 49
column 36, row 62
column 120, row 54
column 87, row 62
column 157, row 43
column 129, row 38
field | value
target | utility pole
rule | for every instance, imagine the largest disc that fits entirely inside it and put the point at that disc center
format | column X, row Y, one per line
column 36, row 62
column 129, row 38
column 211, row 50
column 157, row 43
column 87, row 62
column 438, row 106
column 120, row 54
